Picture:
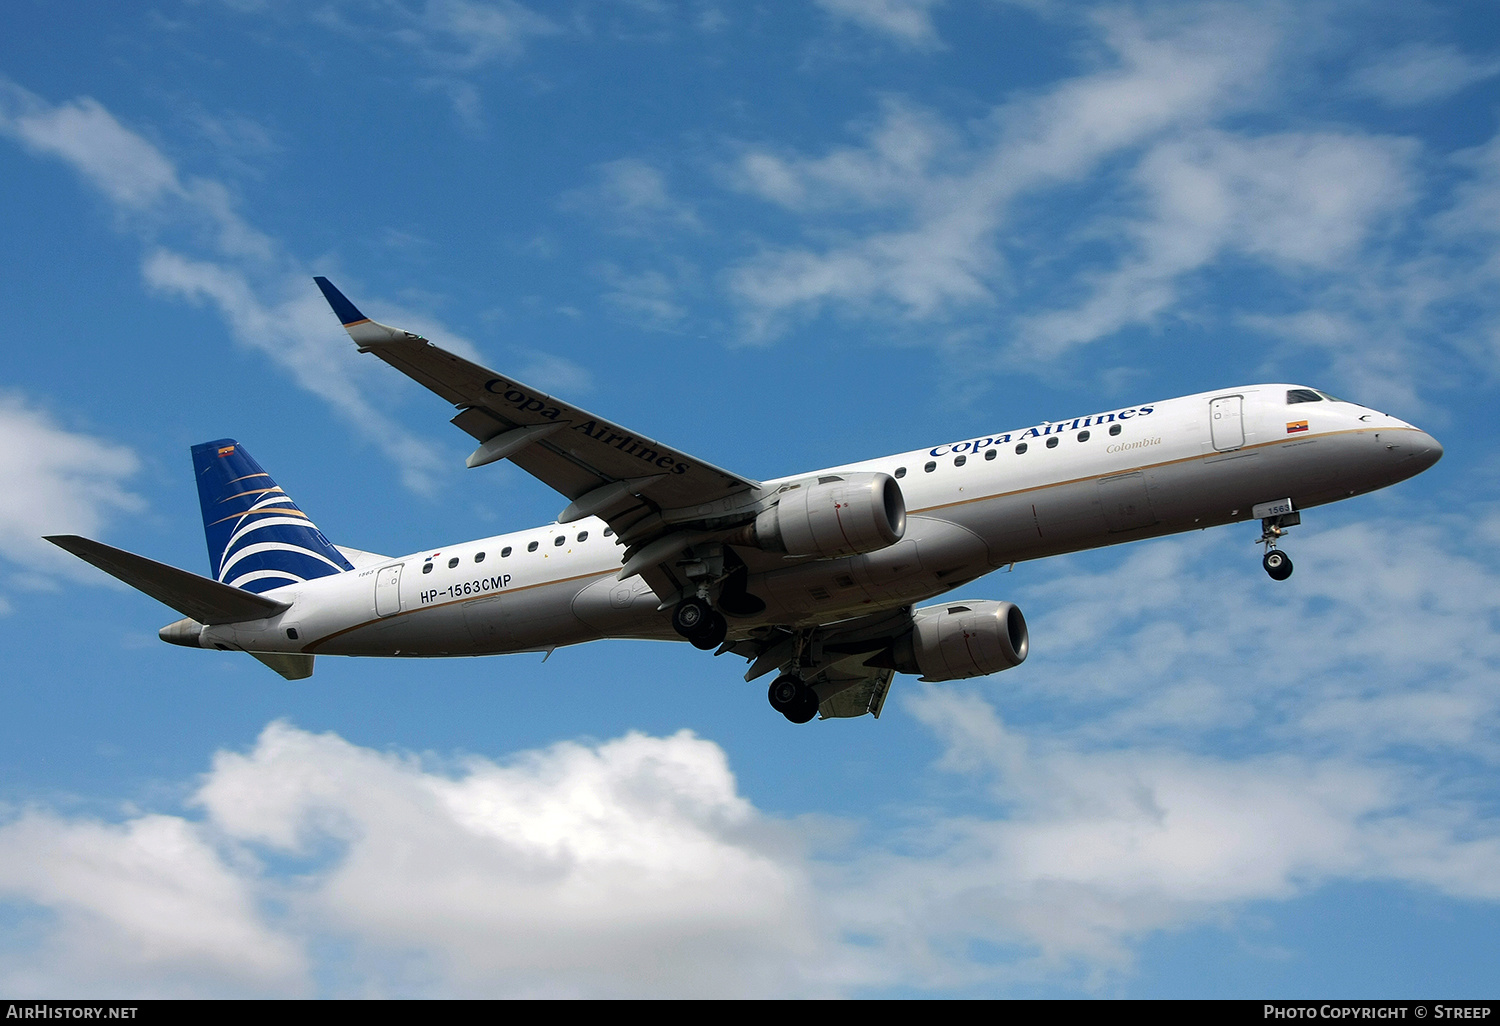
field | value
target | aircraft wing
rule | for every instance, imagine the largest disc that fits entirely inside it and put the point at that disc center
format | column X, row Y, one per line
column 643, row 489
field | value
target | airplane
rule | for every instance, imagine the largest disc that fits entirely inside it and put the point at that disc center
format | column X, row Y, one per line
column 817, row 577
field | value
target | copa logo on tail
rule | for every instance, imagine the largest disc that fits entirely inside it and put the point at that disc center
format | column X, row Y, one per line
column 258, row 539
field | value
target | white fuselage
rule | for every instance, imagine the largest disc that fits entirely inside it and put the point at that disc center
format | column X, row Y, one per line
column 973, row 505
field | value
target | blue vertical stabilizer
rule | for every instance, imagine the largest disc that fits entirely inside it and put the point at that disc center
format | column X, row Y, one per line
column 257, row 537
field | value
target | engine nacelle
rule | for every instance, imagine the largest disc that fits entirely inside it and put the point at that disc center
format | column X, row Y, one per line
column 962, row 639
column 836, row 516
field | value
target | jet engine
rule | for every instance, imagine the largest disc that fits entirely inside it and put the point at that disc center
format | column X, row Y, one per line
column 832, row 517
column 961, row 639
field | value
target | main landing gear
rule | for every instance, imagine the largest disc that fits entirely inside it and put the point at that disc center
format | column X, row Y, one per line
column 700, row 623
column 791, row 697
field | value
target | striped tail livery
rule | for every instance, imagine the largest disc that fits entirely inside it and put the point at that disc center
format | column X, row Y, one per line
column 257, row 537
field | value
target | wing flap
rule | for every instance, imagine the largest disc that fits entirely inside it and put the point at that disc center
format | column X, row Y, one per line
column 206, row 601
column 853, row 694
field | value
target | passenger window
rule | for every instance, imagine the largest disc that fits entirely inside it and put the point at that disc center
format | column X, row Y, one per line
column 609, row 532
column 427, row 568
column 900, row 472
column 531, row 547
column 1302, row 395
column 959, row 461
column 1083, row 436
column 1114, row 429
column 930, row 467
column 452, row 562
column 583, row 536
column 505, row 552
column 1020, row 448
column 1052, row 442
column 990, row 454
column 559, row 539
column 479, row 557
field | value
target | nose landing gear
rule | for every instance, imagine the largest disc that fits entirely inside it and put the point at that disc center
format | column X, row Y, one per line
column 1278, row 564
column 1276, row 517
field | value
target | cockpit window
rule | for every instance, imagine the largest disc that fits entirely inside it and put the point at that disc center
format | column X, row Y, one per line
column 1302, row 395
column 1332, row 398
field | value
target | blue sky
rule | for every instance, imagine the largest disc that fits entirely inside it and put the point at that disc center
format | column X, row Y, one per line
column 780, row 238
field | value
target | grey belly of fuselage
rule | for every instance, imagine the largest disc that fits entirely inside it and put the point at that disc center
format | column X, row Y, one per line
column 1183, row 495
column 531, row 619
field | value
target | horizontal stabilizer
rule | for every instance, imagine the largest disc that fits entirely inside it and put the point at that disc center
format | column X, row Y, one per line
column 206, row 601
column 291, row 665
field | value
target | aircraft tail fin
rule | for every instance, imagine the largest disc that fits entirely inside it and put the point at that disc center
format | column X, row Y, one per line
column 257, row 537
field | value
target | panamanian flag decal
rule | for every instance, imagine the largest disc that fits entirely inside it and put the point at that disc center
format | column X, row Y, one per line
column 1294, row 426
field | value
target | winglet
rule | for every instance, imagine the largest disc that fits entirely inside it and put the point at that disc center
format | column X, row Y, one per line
column 347, row 313
column 364, row 331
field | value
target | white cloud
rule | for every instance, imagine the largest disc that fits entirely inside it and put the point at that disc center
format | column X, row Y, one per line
column 901, row 154
column 628, row 868
column 448, row 35
column 57, row 482
column 145, row 908
column 266, row 298
column 1305, row 201
column 1419, row 73
column 1147, row 193
column 1097, row 847
column 552, row 373
column 130, row 171
column 294, row 327
column 1199, row 738
column 468, row 33
column 907, row 21
column 946, row 203
column 648, row 298
column 1360, row 693
column 1323, row 662
column 630, row 196
column 632, row 867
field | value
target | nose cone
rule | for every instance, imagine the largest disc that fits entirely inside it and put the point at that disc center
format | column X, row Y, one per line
column 1425, row 451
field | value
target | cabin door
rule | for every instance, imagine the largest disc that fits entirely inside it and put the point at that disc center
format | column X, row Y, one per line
column 388, row 590
column 1227, row 421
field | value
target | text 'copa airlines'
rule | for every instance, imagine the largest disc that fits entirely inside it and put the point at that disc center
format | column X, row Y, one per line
column 1041, row 430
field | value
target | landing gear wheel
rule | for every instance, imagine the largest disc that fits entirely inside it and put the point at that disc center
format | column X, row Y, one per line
column 793, row 698
column 690, row 617
column 806, row 707
column 711, row 632
column 1278, row 564
column 783, row 692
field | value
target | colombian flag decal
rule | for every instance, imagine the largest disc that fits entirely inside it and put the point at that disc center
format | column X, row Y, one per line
column 1294, row 426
